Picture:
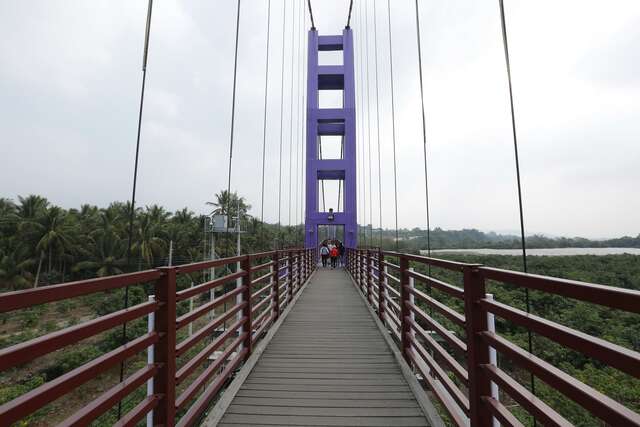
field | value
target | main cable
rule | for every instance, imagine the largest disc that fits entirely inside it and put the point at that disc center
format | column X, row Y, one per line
column 132, row 208
column 313, row 25
column 393, row 124
column 515, row 149
column 349, row 15
column 264, row 122
column 424, row 132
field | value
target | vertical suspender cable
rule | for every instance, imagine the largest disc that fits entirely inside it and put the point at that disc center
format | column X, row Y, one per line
column 284, row 27
column 362, row 150
column 393, row 125
column 233, row 117
column 424, row 132
column 132, row 207
column 375, row 52
column 360, row 129
column 293, row 38
column 297, row 127
column 366, row 31
column 515, row 148
column 299, row 179
column 264, row 122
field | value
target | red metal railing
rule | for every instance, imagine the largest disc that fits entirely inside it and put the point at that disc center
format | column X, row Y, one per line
column 183, row 382
column 458, row 370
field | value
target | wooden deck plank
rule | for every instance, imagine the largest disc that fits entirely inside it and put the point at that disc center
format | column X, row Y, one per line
column 327, row 365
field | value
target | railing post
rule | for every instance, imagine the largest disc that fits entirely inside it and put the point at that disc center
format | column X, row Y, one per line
column 151, row 319
column 276, row 284
column 300, row 269
column 164, row 383
column 477, row 350
column 358, row 270
column 290, row 275
column 369, row 277
column 405, row 327
column 493, row 358
column 245, row 265
column 381, row 282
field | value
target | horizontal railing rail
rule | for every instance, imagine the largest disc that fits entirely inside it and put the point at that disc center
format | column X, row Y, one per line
column 188, row 370
column 444, row 333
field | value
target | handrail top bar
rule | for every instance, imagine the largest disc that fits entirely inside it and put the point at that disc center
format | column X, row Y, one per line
column 15, row 300
column 437, row 262
column 203, row 265
column 262, row 254
column 607, row 296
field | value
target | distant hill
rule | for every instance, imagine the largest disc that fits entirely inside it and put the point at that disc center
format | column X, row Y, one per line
column 475, row 239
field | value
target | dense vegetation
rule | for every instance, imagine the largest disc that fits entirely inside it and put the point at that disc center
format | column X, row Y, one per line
column 416, row 238
column 42, row 244
column 616, row 326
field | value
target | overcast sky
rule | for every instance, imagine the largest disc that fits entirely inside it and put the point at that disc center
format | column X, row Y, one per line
column 70, row 75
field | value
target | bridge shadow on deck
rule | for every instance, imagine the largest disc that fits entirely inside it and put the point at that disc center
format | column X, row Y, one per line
column 327, row 365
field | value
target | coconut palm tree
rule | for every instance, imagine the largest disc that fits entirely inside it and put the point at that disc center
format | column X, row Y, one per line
column 148, row 240
column 14, row 270
column 106, row 255
column 224, row 202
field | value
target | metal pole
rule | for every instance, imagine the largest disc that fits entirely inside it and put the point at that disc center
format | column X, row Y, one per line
column 151, row 318
column 212, row 270
column 190, row 310
column 170, row 252
column 493, row 357
column 239, row 297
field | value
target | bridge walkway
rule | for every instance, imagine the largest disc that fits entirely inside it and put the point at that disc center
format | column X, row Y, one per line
column 327, row 365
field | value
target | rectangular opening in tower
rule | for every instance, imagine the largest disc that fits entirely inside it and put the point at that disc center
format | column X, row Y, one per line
column 330, row 57
column 331, row 195
column 328, row 232
column 330, row 147
column 331, row 98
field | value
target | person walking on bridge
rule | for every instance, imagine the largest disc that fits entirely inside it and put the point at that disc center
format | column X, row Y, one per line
column 334, row 256
column 324, row 254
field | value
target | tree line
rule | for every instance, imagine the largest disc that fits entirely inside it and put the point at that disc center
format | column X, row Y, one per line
column 41, row 243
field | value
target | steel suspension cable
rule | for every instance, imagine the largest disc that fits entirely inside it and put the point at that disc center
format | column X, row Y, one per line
column 366, row 32
column 517, row 162
column 293, row 50
column 313, row 25
column 233, row 117
column 264, row 121
column 375, row 52
column 132, row 207
column 303, row 130
column 284, row 27
column 299, row 180
column 364, row 181
column 393, row 125
column 360, row 129
column 349, row 15
column 297, row 134
column 424, row 132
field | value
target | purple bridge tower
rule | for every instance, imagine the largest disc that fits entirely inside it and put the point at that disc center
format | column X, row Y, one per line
column 322, row 122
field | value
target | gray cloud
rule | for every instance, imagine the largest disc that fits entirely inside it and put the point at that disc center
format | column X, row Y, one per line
column 70, row 77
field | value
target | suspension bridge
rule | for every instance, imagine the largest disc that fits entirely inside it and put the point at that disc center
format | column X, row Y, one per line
column 276, row 340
